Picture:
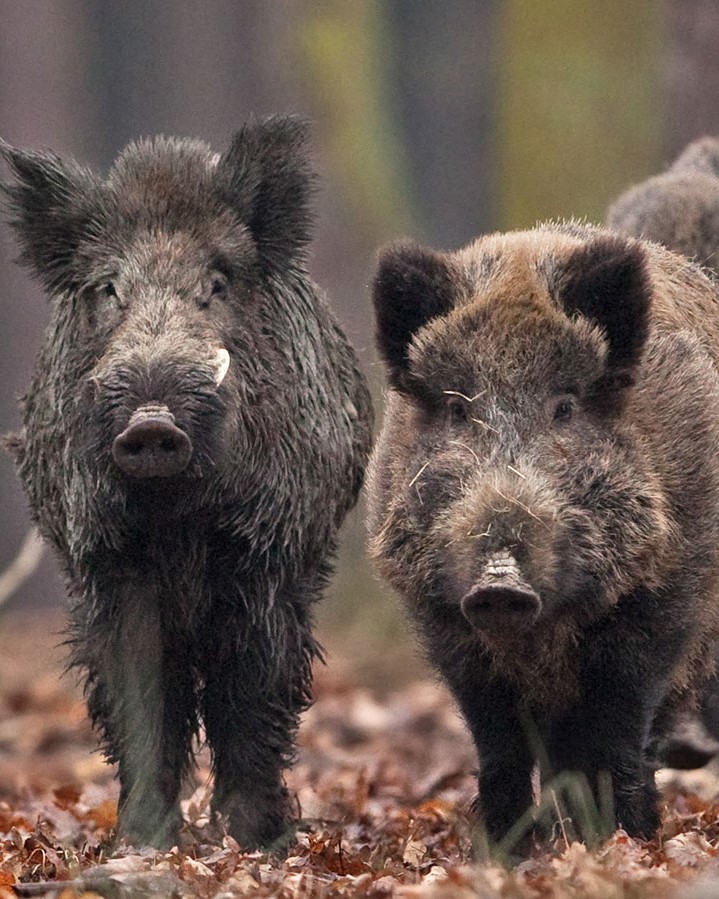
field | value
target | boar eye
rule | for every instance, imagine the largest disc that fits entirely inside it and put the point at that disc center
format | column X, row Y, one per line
column 457, row 411
column 108, row 291
column 217, row 288
column 563, row 411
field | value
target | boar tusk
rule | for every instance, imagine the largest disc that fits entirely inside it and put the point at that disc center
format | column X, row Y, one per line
column 221, row 364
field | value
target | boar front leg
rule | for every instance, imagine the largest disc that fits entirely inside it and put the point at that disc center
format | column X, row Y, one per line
column 140, row 695
column 505, row 761
column 605, row 737
column 256, row 685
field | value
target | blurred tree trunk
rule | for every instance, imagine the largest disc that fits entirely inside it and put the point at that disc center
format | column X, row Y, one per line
column 692, row 73
column 444, row 57
column 579, row 92
column 45, row 101
column 192, row 69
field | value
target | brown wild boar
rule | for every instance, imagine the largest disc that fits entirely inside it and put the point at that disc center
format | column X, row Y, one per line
column 544, row 496
column 194, row 433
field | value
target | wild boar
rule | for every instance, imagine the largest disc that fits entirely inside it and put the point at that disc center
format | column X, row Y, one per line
column 678, row 208
column 544, row 495
column 194, row 433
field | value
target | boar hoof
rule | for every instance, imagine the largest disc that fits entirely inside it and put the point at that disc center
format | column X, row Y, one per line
column 152, row 446
column 501, row 607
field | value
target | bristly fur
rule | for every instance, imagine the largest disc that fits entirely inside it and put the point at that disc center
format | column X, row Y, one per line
column 559, row 430
column 413, row 285
column 606, row 281
column 192, row 595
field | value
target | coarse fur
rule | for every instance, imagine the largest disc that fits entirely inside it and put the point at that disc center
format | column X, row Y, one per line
column 562, row 414
column 678, row 208
column 192, row 594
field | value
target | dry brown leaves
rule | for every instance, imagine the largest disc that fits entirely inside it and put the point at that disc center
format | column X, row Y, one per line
column 382, row 788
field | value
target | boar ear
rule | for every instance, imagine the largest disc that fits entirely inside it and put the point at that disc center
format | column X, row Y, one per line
column 607, row 282
column 412, row 286
column 266, row 176
column 48, row 199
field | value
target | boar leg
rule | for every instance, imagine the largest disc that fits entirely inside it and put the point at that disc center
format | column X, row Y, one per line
column 605, row 738
column 505, row 759
column 254, row 693
column 141, row 696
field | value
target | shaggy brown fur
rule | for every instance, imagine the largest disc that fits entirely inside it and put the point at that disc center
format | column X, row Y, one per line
column 545, row 496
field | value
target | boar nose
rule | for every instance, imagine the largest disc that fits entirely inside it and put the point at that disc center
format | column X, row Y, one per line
column 152, row 446
column 501, row 600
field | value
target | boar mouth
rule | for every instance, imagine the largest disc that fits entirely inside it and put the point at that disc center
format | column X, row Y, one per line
column 152, row 446
column 501, row 600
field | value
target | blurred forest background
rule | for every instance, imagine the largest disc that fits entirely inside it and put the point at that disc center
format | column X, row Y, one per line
column 436, row 119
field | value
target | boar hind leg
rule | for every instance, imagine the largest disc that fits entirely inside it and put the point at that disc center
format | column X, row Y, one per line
column 141, row 697
column 605, row 739
column 254, row 694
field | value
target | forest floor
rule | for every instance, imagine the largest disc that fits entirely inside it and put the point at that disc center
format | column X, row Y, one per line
column 383, row 782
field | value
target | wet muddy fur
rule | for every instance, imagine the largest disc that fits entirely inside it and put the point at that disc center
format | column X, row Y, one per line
column 195, row 431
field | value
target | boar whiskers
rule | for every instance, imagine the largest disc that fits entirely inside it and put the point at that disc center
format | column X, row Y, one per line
column 417, row 476
column 484, row 424
column 469, row 450
column 415, row 479
column 522, row 506
column 522, row 476
column 469, row 399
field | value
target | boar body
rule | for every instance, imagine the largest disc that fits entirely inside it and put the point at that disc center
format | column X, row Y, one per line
column 544, row 496
column 195, row 431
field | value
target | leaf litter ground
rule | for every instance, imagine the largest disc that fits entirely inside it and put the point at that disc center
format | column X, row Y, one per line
column 383, row 782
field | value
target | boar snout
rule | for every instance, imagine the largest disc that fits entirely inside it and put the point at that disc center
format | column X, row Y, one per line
column 501, row 600
column 152, row 446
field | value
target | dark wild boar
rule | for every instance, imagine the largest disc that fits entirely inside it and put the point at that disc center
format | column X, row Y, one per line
column 194, row 433
column 545, row 497
column 678, row 208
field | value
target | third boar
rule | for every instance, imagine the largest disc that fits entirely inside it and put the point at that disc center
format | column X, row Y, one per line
column 678, row 208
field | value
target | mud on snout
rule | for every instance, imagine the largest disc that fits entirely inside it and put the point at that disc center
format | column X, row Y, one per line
column 162, row 418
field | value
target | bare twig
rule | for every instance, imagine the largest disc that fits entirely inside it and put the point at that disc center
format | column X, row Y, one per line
column 22, row 566
column 469, row 399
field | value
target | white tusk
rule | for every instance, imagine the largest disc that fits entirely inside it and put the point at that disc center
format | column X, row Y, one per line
column 221, row 364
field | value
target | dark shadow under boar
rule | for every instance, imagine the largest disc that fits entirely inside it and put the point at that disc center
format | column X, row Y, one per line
column 195, row 431
column 545, row 498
